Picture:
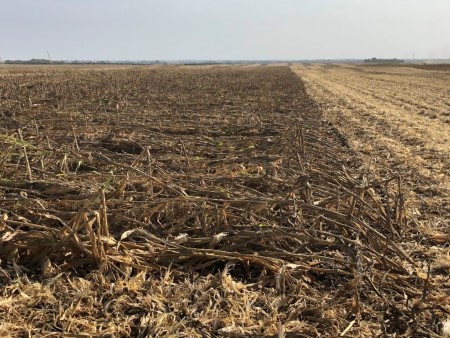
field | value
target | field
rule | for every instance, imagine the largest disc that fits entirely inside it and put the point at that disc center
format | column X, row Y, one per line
column 224, row 201
column 399, row 119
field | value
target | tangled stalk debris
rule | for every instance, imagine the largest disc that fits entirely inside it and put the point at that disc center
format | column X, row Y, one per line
column 204, row 201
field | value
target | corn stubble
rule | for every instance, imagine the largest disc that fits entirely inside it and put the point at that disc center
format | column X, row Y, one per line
column 197, row 202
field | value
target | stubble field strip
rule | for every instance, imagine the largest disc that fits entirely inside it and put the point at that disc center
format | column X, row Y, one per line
column 198, row 202
column 389, row 138
column 412, row 93
column 419, row 141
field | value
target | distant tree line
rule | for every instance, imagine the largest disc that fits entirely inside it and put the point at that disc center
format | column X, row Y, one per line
column 375, row 60
column 186, row 62
column 76, row 62
column 32, row 62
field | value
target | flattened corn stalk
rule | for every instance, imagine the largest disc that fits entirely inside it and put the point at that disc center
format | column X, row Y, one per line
column 204, row 188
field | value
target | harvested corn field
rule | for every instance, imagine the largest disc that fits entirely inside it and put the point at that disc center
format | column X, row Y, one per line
column 398, row 119
column 199, row 202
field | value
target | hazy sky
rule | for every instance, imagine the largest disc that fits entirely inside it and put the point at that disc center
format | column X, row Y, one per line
column 223, row 29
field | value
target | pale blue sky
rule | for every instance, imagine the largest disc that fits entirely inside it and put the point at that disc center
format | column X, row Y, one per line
column 223, row 29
